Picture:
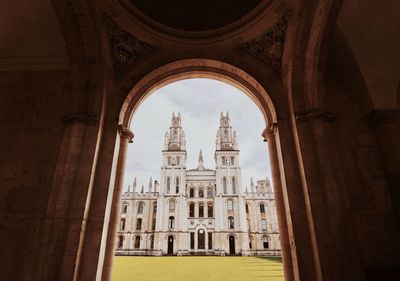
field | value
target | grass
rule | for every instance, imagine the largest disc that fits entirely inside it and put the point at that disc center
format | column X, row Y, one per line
column 197, row 269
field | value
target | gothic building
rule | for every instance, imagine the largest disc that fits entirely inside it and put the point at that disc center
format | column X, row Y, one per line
column 199, row 211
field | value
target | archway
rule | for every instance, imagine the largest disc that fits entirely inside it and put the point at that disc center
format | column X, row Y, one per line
column 232, row 245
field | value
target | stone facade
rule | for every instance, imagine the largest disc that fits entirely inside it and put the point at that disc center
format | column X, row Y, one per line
column 199, row 211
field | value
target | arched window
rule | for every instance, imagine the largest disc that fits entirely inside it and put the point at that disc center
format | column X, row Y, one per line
column 231, row 223
column 209, row 192
column 233, row 185
column 120, row 241
column 191, row 210
column 122, row 225
column 262, row 208
column 210, row 210
column 152, row 242
column 230, row 204
column 177, row 185
column 201, row 192
column 263, row 224
column 140, row 208
column 247, row 208
column 171, row 205
column 139, row 224
column 168, row 185
column 201, row 210
column 191, row 192
column 124, row 208
column 137, row 242
column 224, row 185
column 171, row 222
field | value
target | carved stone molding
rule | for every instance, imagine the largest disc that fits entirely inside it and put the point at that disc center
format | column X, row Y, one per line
column 379, row 118
column 269, row 131
column 125, row 132
column 125, row 48
column 81, row 117
column 315, row 113
column 269, row 46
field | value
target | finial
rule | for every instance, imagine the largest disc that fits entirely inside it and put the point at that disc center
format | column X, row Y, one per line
column 142, row 191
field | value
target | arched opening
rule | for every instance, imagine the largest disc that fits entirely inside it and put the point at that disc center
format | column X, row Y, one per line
column 232, row 250
column 201, row 244
column 170, row 245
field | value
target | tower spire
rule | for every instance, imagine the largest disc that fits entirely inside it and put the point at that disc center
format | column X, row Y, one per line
column 151, row 184
column 201, row 162
column 132, row 186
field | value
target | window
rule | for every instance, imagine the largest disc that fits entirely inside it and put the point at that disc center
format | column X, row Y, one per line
column 210, row 245
column 201, row 192
column 191, row 210
column 122, row 225
column 263, row 224
column 224, row 185
column 155, row 208
column 171, row 205
column 140, row 208
column 232, row 160
column 177, row 185
column 265, row 244
column 265, row 240
column 262, row 208
column 230, row 204
column 191, row 192
column 124, row 208
column 209, row 192
column 223, row 160
column 210, row 210
column 120, row 241
column 231, row 224
column 233, row 185
column 139, row 224
column 178, row 160
column 171, row 222
column 169, row 160
column 201, row 210
column 137, row 242
column 247, row 208
column 201, row 239
column 152, row 242
column 192, row 240
column 153, row 224
column 168, row 185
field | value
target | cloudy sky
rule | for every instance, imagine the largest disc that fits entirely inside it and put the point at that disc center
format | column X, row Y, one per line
column 200, row 102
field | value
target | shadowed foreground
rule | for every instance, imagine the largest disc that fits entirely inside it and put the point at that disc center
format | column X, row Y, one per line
column 197, row 269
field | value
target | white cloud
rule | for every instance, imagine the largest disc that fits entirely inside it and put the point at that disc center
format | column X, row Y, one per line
column 200, row 102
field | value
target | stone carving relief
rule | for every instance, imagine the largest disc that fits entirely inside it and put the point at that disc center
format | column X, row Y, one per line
column 269, row 46
column 125, row 48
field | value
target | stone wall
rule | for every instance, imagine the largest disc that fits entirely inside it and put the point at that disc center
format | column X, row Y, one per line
column 31, row 106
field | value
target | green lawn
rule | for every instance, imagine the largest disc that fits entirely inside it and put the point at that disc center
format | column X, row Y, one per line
column 197, row 269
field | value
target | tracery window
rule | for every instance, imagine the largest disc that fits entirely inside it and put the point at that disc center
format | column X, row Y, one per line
column 171, row 222
column 262, row 208
column 140, row 207
column 139, row 224
column 201, row 192
column 201, row 210
column 210, row 210
column 230, row 204
column 231, row 223
column 209, row 192
column 191, row 210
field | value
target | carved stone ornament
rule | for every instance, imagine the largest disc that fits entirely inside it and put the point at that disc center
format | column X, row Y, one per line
column 315, row 113
column 379, row 118
column 125, row 48
column 269, row 131
column 124, row 132
column 269, row 46
column 81, row 117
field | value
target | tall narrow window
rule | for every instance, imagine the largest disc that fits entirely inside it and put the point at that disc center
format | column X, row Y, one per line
column 265, row 242
column 152, row 242
column 232, row 160
column 139, row 224
column 263, row 224
column 155, row 208
column 140, row 208
column 247, row 208
column 168, row 185
column 201, row 192
column 201, row 210
column 201, row 239
column 224, row 185
column 122, row 225
column 137, row 242
column 210, row 210
column 124, row 208
column 210, row 244
column 192, row 240
column 233, row 185
column 177, row 185
column 262, row 208
column 153, row 224
column 171, row 205
column 230, row 204
column 223, row 160
column 178, row 160
column 191, row 192
column 171, row 222
column 169, row 160
column 120, row 241
column 231, row 223
column 209, row 192
column 191, row 210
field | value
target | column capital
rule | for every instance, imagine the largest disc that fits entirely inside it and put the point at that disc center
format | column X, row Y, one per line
column 80, row 117
column 269, row 131
column 125, row 132
column 314, row 114
column 380, row 118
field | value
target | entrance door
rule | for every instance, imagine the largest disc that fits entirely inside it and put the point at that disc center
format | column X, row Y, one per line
column 170, row 245
column 201, row 240
column 232, row 245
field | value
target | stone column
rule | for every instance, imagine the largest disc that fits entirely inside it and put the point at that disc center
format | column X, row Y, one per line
column 386, row 126
column 270, row 136
column 126, row 136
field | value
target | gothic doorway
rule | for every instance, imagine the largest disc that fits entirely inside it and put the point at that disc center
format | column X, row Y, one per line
column 170, row 245
column 201, row 240
column 232, row 245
